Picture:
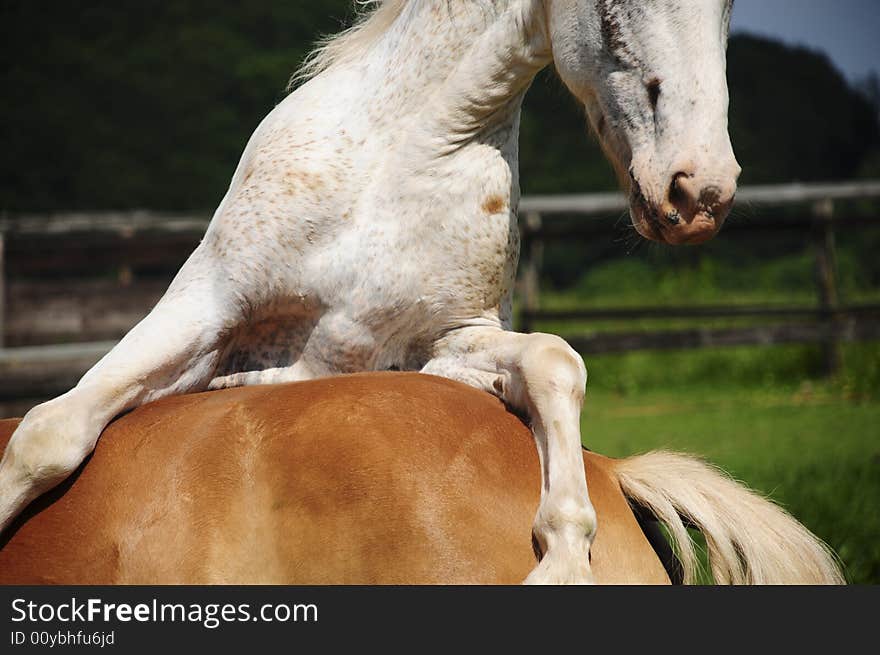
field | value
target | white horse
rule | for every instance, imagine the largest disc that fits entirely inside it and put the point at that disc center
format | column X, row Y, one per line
column 371, row 224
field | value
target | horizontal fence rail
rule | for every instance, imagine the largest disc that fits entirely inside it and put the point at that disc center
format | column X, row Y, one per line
column 828, row 322
column 43, row 371
column 597, row 204
column 124, row 224
column 54, row 286
column 702, row 311
column 713, row 338
column 127, row 224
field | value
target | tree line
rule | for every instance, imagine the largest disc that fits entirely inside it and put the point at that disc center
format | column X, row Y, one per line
column 147, row 104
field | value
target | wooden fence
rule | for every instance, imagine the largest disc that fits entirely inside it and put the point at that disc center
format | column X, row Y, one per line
column 829, row 323
column 71, row 284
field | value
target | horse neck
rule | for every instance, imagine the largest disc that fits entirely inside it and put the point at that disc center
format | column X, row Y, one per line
column 459, row 68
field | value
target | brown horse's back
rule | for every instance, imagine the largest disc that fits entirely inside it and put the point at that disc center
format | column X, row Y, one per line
column 364, row 479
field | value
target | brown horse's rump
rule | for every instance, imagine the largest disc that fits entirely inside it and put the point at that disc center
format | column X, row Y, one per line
column 389, row 478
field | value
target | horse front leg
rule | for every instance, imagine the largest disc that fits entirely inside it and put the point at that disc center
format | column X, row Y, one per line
column 541, row 375
column 174, row 349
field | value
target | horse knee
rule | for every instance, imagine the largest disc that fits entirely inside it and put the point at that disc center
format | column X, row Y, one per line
column 47, row 446
column 549, row 362
column 567, row 518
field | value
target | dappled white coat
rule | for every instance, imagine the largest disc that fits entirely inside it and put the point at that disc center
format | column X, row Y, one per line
column 371, row 224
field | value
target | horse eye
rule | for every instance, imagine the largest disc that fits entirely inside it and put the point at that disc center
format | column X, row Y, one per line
column 653, row 86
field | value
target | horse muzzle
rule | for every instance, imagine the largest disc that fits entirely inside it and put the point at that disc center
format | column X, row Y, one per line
column 690, row 212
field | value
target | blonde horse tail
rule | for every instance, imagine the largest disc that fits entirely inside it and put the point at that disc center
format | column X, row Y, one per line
column 750, row 539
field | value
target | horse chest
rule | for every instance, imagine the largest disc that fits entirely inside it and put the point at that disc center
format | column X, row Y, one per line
column 464, row 258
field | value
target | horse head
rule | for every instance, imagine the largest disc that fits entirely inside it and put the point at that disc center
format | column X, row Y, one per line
column 652, row 78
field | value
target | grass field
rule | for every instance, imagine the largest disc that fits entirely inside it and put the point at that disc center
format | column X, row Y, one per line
column 765, row 414
column 759, row 413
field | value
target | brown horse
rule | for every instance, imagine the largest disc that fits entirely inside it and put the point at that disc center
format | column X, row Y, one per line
column 389, row 478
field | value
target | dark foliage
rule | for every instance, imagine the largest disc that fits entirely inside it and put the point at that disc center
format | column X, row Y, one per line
column 149, row 104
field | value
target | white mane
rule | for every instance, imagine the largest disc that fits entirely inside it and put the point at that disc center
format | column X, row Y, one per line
column 375, row 17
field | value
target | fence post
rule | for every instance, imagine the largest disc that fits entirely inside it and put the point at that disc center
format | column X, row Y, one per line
column 826, row 283
column 531, row 276
column 2, row 292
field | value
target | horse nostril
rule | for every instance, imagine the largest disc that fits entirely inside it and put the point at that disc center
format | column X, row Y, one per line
column 710, row 197
column 653, row 87
column 680, row 190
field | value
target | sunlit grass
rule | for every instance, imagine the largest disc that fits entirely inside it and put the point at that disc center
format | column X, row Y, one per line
column 813, row 447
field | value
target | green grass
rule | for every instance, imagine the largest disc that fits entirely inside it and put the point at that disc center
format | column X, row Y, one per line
column 762, row 415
